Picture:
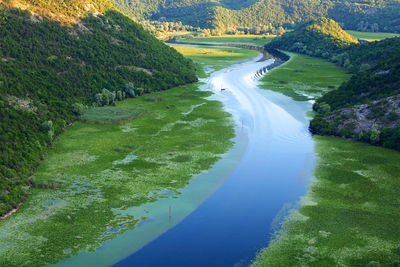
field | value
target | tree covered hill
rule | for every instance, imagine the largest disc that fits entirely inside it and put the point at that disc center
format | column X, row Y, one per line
column 47, row 71
column 320, row 37
column 325, row 38
column 227, row 15
column 366, row 108
column 64, row 11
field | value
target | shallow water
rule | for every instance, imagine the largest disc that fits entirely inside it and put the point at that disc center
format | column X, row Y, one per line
column 235, row 222
column 224, row 216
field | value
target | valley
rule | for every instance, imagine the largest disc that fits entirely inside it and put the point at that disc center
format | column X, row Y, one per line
column 257, row 133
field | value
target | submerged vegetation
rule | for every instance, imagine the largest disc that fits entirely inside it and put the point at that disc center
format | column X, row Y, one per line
column 104, row 169
column 94, row 173
column 304, row 78
column 214, row 58
column 350, row 215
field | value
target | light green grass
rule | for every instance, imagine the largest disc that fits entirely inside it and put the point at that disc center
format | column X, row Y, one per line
column 259, row 40
column 372, row 36
column 111, row 167
column 304, row 78
column 351, row 214
column 110, row 114
column 215, row 58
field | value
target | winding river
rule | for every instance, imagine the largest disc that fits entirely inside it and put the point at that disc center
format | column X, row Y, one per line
column 228, row 213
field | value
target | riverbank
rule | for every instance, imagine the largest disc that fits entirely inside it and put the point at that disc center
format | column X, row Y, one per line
column 258, row 40
column 304, row 78
column 106, row 169
column 349, row 214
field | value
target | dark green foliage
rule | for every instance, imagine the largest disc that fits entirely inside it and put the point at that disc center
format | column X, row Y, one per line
column 228, row 15
column 366, row 88
column 326, row 39
column 51, row 71
column 322, row 37
column 378, row 82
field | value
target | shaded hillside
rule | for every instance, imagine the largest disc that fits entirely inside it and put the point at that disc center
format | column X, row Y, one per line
column 368, row 15
column 366, row 108
column 46, row 69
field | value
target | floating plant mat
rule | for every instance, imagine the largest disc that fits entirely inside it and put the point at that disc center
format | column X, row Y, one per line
column 103, row 115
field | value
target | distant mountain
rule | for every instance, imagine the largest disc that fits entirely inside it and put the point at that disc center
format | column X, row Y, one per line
column 47, row 69
column 366, row 15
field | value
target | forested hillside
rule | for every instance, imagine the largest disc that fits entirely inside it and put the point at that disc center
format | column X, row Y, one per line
column 366, row 108
column 47, row 71
column 231, row 15
column 321, row 37
column 325, row 38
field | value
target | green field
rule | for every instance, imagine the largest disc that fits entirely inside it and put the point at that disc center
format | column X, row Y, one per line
column 304, row 78
column 351, row 214
column 215, row 57
column 259, row 40
column 372, row 36
column 109, row 114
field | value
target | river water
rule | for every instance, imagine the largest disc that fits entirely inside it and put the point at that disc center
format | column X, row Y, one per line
column 227, row 214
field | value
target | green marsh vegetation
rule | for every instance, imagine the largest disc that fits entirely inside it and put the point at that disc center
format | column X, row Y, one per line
column 259, row 40
column 94, row 172
column 304, row 78
column 102, row 169
column 215, row 58
column 373, row 36
column 350, row 215
column 109, row 114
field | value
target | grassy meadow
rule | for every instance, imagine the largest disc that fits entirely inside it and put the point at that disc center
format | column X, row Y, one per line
column 351, row 214
column 109, row 114
column 304, row 78
column 103, row 169
column 215, row 58
column 372, row 36
column 259, row 40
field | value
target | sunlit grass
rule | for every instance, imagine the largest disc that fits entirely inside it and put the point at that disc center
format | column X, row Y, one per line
column 304, row 78
column 351, row 214
column 215, row 58
column 259, row 40
column 373, row 36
